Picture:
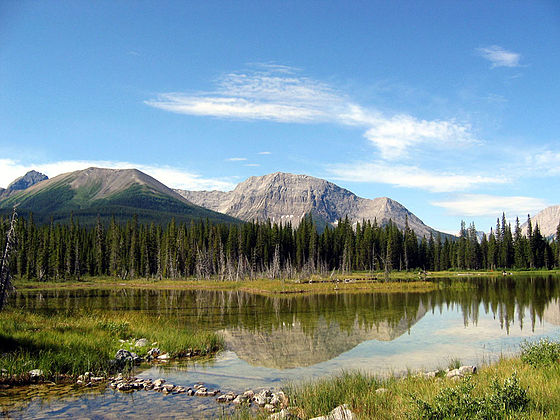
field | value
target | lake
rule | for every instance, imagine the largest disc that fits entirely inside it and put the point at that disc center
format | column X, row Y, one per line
column 272, row 340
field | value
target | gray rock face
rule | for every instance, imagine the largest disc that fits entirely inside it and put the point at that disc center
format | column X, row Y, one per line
column 547, row 219
column 23, row 182
column 283, row 197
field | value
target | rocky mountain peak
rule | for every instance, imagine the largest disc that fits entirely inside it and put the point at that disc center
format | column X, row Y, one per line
column 23, row 182
column 284, row 197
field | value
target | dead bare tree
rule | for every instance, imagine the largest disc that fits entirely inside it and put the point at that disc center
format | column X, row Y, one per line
column 5, row 283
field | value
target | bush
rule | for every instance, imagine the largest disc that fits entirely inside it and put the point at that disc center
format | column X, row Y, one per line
column 458, row 402
column 541, row 353
column 509, row 397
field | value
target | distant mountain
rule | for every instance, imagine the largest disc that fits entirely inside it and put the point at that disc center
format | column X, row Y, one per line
column 106, row 192
column 23, row 182
column 284, row 197
column 547, row 219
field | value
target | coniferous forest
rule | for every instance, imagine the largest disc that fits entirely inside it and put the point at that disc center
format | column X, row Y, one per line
column 55, row 252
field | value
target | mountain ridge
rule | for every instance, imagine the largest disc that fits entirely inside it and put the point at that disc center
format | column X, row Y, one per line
column 284, row 197
column 106, row 192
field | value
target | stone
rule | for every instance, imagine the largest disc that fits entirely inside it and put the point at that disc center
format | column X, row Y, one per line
column 240, row 399
column 154, row 352
column 269, row 407
column 339, row 413
column 142, row 342
column 125, row 356
column 201, row 392
column 159, row 382
column 190, row 392
column 222, row 398
column 277, row 399
column 249, row 394
column 261, row 400
column 35, row 373
column 454, row 373
column 97, row 379
column 283, row 414
column 468, row 370
column 381, row 391
column 124, row 386
column 164, row 356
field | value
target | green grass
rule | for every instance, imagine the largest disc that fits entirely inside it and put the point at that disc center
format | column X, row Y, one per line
column 72, row 344
column 510, row 389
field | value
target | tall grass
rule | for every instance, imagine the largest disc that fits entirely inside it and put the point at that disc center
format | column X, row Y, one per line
column 511, row 388
column 74, row 343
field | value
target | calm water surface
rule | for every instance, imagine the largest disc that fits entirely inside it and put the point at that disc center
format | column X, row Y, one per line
column 273, row 340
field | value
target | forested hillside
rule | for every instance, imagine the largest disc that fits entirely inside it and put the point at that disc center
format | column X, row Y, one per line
column 230, row 251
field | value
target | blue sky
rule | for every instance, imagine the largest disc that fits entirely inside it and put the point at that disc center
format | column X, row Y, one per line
column 451, row 108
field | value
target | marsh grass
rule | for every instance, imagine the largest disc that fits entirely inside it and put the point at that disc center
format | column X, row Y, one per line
column 354, row 283
column 72, row 343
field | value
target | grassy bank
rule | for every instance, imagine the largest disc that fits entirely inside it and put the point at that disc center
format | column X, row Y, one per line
column 526, row 386
column 72, row 344
column 359, row 282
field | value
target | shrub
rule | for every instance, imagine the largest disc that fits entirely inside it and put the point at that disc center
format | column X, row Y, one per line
column 458, row 402
column 508, row 397
column 541, row 353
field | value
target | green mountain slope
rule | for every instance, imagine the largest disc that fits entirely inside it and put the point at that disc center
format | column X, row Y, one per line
column 119, row 193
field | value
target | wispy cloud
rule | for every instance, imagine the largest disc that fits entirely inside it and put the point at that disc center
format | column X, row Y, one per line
column 546, row 162
column 236, row 159
column 491, row 205
column 281, row 96
column 264, row 153
column 170, row 176
column 252, row 164
column 499, row 57
column 410, row 176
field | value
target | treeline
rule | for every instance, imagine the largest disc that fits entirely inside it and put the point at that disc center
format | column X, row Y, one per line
column 205, row 249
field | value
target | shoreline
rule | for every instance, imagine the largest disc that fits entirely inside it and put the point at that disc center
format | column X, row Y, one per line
column 369, row 396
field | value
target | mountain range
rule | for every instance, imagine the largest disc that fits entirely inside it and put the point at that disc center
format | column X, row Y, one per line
column 279, row 197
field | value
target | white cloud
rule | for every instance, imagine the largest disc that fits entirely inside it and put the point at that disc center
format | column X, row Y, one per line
column 395, row 136
column 499, row 57
column 491, row 205
column 278, row 95
column 264, row 153
column 236, row 159
column 172, row 177
column 409, row 176
column 546, row 162
column 252, row 164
